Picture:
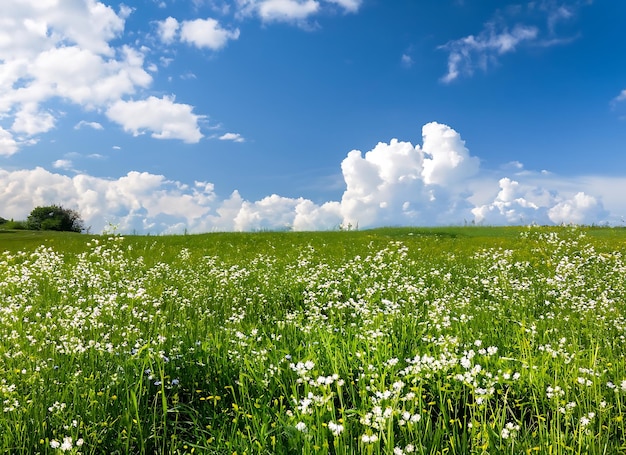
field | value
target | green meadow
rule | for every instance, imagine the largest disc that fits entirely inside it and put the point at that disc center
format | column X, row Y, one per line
column 460, row 340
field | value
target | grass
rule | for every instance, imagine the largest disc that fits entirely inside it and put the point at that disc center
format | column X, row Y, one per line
column 430, row 341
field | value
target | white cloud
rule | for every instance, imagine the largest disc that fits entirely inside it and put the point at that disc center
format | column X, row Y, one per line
column 514, row 26
column 620, row 97
column 482, row 51
column 280, row 10
column 167, row 29
column 63, row 164
column 406, row 60
column 69, row 51
column 94, row 125
column 350, row 6
column 8, row 145
column 31, row 120
column 206, row 33
column 165, row 118
column 235, row 137
column 395, row 183
column 447, row 160
column 577, row 210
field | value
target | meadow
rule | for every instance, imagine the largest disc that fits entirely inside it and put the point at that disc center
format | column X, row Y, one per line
column 392, row 341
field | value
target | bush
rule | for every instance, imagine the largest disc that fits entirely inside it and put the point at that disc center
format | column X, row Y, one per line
column 18, row 225
column 54, row 218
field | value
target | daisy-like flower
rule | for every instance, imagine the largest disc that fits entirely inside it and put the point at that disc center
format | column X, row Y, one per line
column 335, row 428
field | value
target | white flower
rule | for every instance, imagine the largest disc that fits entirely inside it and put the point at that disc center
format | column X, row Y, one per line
column 301, row 426
column 335, row 428
column 369, row 439
column 55, row 444
column 67, row 444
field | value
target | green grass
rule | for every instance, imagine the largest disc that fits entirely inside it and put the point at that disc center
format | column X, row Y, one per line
column 396, row 340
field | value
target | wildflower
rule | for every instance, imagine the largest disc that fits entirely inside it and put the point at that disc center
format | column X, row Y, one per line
column 335, row 428
column 55, row 444
column 301, row 427
column 67, row 444
column 509, row 431
column 369, row 439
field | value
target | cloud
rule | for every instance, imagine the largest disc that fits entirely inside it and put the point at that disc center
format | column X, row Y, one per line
column 206, row 33
column 521, row 202
column 287, row 10
column 63, row 164
column 94, row 125
column 235, row 137
column 8, row 145
column 482, row 51
column 621, row 97
column 168, row 29
column 70, row 51
column 165, row 118
column 396, row 183
column 350, row 6
column 296, row 11
column 30, row 120
column 513, row 27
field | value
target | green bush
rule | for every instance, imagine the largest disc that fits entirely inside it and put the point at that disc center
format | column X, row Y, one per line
column 19, row 225
column 54, row 218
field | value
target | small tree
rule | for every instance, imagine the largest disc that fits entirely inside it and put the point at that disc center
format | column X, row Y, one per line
column 55, row 218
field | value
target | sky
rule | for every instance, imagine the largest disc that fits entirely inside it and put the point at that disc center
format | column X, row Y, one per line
column 172, row 116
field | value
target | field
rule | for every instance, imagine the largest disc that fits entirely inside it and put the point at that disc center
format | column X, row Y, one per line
column 394, row 341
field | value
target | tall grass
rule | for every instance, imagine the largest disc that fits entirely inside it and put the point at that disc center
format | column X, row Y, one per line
column 392, row 341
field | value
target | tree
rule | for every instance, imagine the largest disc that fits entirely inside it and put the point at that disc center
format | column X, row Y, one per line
column 55, row 218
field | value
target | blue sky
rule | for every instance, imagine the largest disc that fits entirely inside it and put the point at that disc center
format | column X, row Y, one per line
column 168, row 115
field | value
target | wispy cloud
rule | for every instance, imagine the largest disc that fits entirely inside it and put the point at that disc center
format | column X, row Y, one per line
column 483, row 50
column 510, row 29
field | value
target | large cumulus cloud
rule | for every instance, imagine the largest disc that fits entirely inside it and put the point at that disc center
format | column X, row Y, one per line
column 396, row 183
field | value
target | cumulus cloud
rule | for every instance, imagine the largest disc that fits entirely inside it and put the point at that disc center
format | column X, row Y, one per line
column 165, row 118
column 8, row 145
column 63, row 164
column 64, row 51
column 287, row 10
column 534, row 202
column 207, row 33
column 293, row 11
column 235, row 137
column 30, row 120
column 396, row 183
column 168, row 29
